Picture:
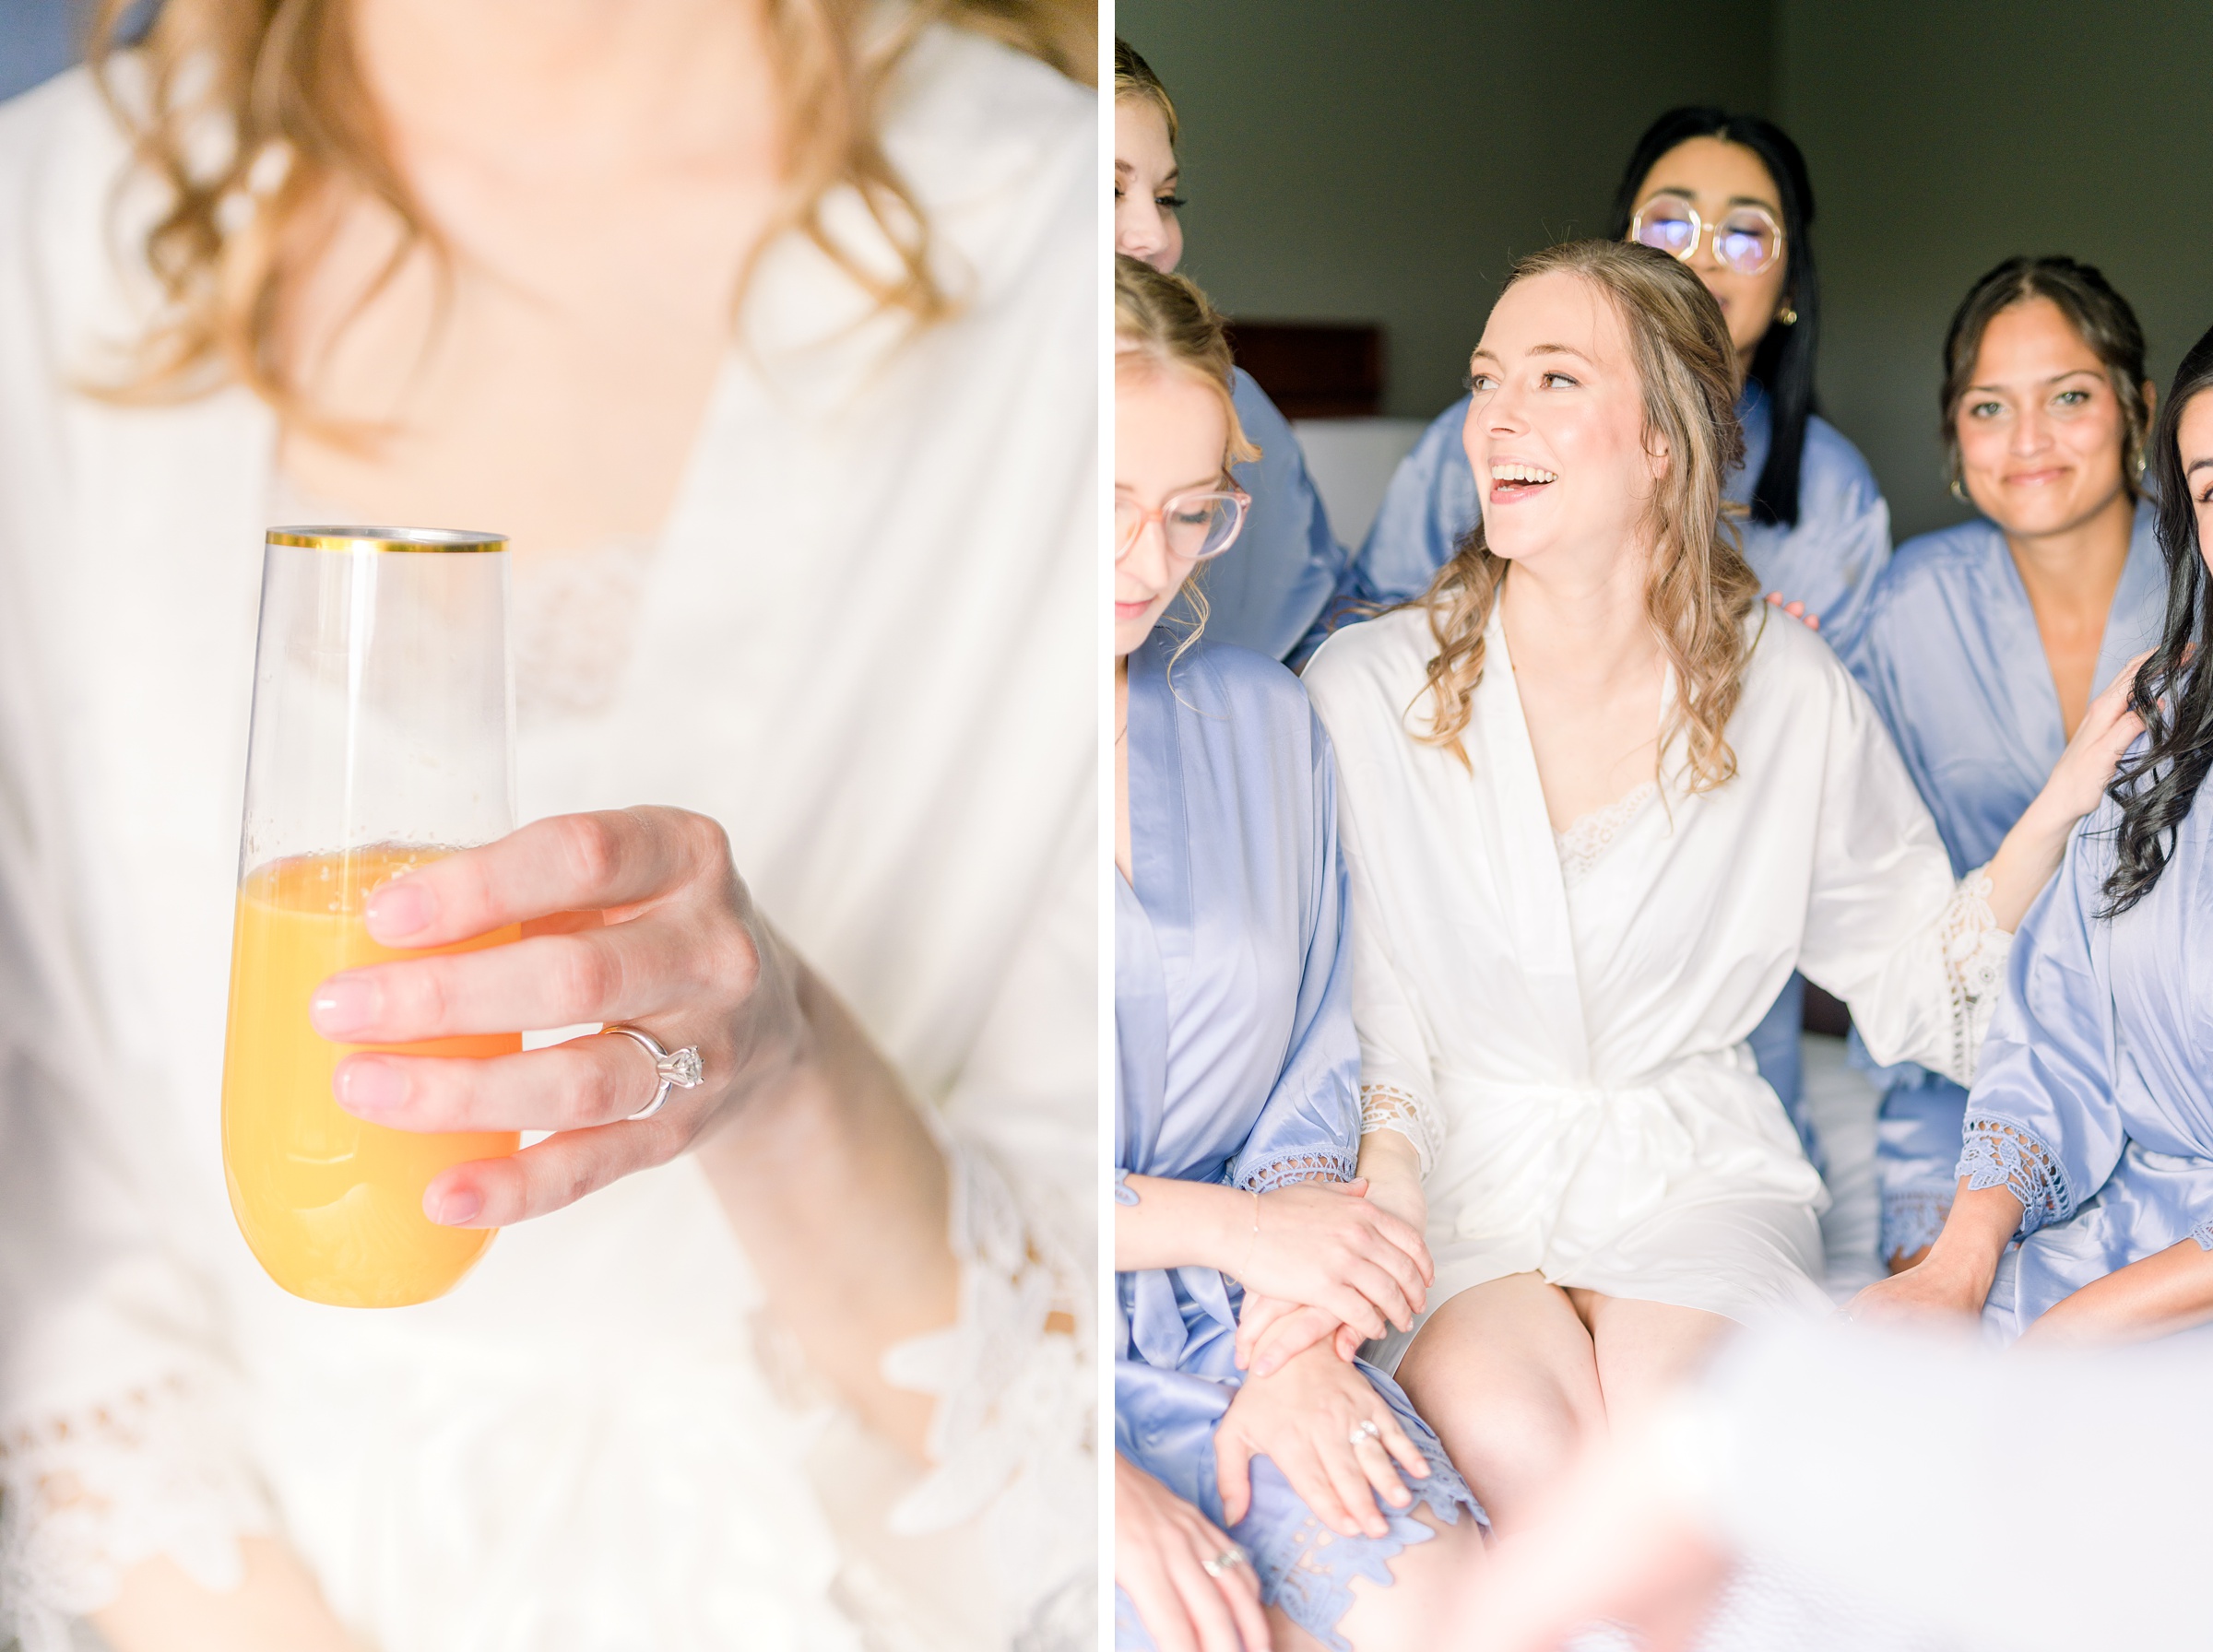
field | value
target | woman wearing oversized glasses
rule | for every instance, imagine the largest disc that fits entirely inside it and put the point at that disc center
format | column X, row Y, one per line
column 1244, row 1484
column 1729, row 196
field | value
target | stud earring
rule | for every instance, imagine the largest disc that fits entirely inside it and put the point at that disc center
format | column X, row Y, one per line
column 1787, row 317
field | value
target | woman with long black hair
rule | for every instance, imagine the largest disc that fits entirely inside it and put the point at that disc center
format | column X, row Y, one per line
column 2089, row 1129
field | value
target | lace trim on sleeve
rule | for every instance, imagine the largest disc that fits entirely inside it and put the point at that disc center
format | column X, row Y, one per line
column 1012, row 1437
column 87, row 1496
column 1301, row 1167
column 2203, row 1233
column 1387, row 1107
column 1974, row 950
column 2004, row 1155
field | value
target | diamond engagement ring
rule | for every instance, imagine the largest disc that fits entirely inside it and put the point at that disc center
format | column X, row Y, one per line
column 1365, row 1430
column 1229, row 1560
column 680, row 1069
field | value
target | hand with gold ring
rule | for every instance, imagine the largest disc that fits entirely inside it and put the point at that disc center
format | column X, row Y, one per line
column 636, row 919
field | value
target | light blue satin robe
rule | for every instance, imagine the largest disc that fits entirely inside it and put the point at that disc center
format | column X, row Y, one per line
column 1235, row 1063
column 1268, row 592
column 1829, row 562
column 1950, row 655
column 2101, row 1059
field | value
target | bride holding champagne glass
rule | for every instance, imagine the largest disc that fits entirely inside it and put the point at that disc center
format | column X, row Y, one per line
column 806, row 1352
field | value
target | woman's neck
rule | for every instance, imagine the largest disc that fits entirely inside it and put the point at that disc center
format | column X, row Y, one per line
column 2078, row 569
column 594, row 87
column 1587, row 625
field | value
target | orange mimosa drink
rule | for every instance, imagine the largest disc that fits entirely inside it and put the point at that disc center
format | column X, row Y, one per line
column 332, row 1205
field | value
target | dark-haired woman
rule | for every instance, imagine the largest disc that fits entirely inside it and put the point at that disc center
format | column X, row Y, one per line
column 1984, row 643
column 2089, row 1132
column 1729, row 194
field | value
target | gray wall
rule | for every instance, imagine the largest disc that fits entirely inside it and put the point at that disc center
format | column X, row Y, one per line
column 1384, row 162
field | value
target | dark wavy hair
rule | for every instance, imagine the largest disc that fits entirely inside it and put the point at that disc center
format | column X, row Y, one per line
column 1784, row 361
column 2173, row 690
column 2101, row 318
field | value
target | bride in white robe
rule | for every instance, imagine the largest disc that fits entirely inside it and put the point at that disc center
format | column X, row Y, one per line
column 862, row 639
column 1568, row 913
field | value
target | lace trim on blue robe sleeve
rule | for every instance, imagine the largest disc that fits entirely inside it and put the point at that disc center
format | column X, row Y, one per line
column 1123, row 1193
column 2203, row 1233
column 1328, row 1165
column 1999, row 1154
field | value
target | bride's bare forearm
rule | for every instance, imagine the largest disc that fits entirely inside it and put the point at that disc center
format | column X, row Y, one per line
column 2024, row 861
column 840, row 1197
column 277, row 1608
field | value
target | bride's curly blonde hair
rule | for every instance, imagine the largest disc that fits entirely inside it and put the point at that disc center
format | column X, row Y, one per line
column 1702, row 588
column 246, row 111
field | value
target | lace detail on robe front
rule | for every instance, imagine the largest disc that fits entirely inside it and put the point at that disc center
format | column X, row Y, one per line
column 1589, row 836
column 1013, row 1436
column 1972, row 950
column 1387, row 1107
column 1998, row 1154
column 85, row 1497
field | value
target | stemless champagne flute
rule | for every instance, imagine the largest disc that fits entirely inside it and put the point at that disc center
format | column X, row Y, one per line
column 382, row 737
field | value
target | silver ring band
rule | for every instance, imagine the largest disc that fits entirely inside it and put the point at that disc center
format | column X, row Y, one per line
column 676, row 1069
column 1229, row 1560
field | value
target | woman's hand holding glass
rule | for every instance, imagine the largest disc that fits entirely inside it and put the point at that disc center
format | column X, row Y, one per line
column 1324, row 1425
column 1323, row 1244
column 636, row 916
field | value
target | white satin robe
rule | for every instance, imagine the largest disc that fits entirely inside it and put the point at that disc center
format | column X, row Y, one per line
column 864, row 643
column 1570, row 1062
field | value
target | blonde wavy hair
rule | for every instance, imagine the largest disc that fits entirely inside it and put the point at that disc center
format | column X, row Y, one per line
column 1163, row 324
column 1702, row 588
column 1134, row 82
column 278, row 82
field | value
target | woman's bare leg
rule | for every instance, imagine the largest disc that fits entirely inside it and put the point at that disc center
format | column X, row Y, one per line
column 1645, row 1349
column 1506, row 1374
column 1427, row 1579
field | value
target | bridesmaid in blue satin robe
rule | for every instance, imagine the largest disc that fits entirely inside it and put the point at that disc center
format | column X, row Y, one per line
column 1951, row 657
column 2089, row 1135
column 1237, row 1063
column 2045, row 406
column 2094, row 1105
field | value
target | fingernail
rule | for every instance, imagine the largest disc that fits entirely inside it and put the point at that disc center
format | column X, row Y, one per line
column 455, row 1209
column 371, row 1088
column 342, row 1005
column 402, row 907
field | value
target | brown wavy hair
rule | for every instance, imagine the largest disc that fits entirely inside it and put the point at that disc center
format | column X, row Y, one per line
column 278, row 81
column 1702, row 588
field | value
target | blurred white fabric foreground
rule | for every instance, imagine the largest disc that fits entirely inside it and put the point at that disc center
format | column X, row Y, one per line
column 1902, row 1493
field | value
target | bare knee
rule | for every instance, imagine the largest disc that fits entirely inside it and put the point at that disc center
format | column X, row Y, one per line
column 1512, row 1441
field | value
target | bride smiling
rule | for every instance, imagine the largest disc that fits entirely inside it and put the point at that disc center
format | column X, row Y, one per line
column 1598, row 802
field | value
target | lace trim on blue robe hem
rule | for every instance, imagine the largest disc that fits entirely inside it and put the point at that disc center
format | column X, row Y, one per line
column 1913, row 1217
column 1999, row 1154
column 1310, row 1577
column 1326, row 1166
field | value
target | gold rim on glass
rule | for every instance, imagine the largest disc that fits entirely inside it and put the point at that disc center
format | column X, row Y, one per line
column 385, row 538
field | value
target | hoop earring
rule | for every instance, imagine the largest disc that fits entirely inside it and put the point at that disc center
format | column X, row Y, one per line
column 1959, row 492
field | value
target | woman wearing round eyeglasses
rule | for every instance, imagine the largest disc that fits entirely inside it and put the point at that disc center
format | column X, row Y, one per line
column 1730, row 196
column 1249, row 1479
